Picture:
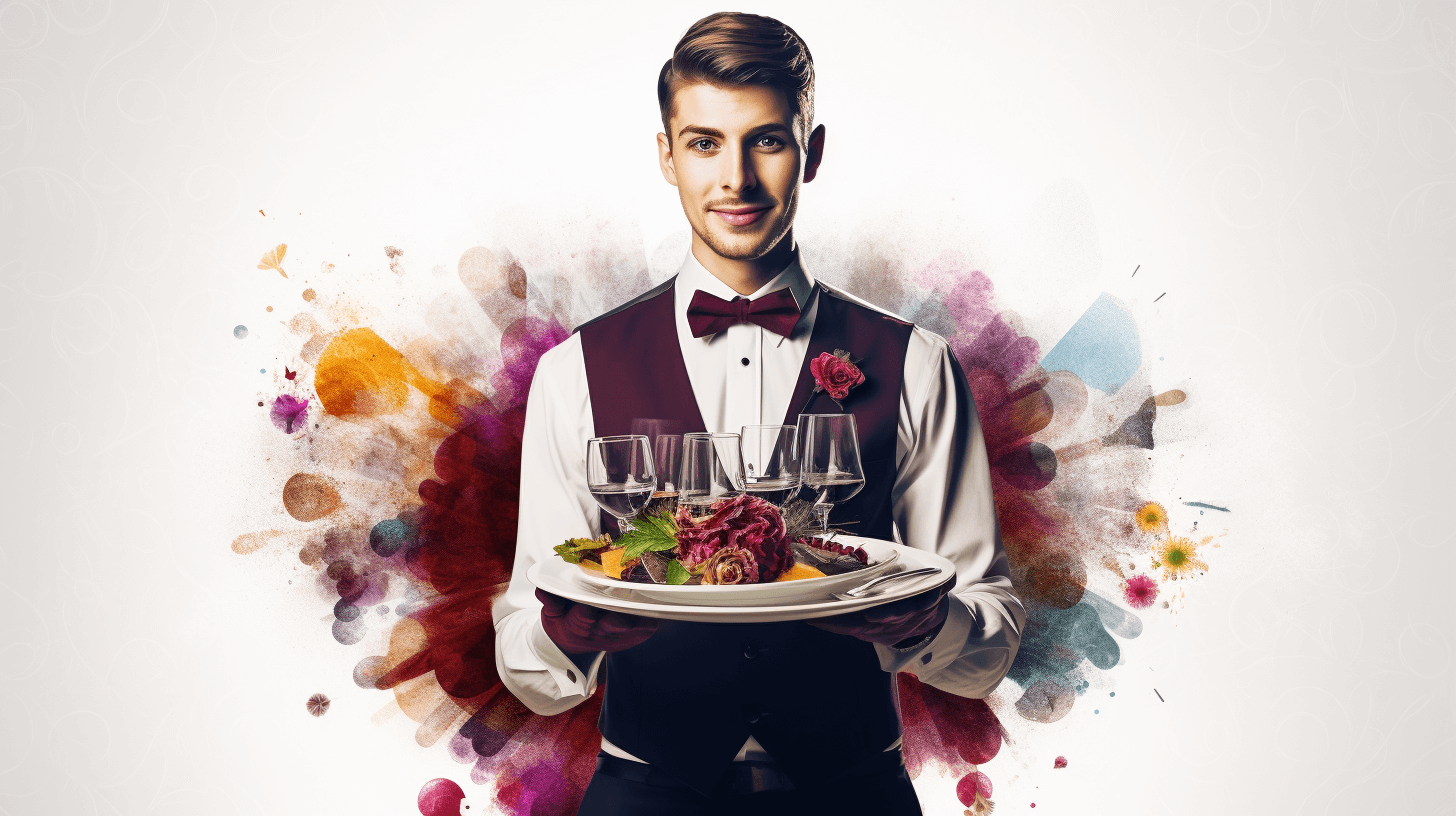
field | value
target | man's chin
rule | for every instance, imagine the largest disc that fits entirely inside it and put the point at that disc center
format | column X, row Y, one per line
column 740, row 247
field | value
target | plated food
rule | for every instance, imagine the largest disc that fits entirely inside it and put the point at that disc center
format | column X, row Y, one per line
column 742, row 540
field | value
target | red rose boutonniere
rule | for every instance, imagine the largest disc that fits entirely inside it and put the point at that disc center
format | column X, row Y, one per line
column 835, row 373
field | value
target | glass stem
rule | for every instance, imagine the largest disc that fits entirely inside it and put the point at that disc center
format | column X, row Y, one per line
column 822, row 509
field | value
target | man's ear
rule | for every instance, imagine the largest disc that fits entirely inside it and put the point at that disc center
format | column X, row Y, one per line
column 816, row 154
column 664, row 159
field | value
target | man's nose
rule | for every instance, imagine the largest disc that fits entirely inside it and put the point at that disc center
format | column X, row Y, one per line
column 738, row 174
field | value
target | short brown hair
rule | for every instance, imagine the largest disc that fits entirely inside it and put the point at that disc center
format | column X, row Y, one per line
column 732, row 48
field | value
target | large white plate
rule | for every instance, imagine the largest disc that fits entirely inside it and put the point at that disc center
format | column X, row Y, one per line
column 882, row 554
column 560, row 578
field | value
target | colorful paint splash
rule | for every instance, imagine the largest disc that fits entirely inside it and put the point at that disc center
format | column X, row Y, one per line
column 407, row 510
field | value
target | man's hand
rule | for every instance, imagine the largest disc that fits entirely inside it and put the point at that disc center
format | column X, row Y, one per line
column 579, row 628
column 898, row 623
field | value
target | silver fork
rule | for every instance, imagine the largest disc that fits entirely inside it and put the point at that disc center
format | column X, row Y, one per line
column 864, row 589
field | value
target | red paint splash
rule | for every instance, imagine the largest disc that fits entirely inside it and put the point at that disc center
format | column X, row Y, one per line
column 1140, row 592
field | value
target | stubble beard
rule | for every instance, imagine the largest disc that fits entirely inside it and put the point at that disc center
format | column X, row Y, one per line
column 771, row 238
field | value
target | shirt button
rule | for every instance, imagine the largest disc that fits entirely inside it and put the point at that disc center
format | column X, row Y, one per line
column 571, row 675
column 744, row 361
column 925, row 658
column 750, row 651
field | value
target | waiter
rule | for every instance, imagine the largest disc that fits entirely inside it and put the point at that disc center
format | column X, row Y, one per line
column 796, row 717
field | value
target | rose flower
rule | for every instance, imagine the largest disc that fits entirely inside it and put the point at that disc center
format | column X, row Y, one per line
column 746, row 522
column 730, row 565
column 835, row 373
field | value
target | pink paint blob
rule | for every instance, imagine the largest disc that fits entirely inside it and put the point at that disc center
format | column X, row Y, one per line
column 1061, row 762
column 971, row 784
column 1140, row 592
column 289, row 413
column 440, row 797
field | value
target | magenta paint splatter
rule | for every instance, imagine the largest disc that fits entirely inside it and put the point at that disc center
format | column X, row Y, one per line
column 318, row 705
column 1140, row 592
column 440, row 797
column 971, row 785
column 289, row 413
column 1060, row 762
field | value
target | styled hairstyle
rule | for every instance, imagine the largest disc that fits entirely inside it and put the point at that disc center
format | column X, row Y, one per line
column 732, row 48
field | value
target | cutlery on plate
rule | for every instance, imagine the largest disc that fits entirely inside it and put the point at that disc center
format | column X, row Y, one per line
column 864, row 589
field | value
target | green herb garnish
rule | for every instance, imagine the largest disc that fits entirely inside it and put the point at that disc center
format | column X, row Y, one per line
column 677, row 573
column 656, row 533
column 574, row 548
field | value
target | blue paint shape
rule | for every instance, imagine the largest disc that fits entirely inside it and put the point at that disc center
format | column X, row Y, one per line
column 1102, row 347
column 262, row 371
column 240, row 331
column 1206, row 506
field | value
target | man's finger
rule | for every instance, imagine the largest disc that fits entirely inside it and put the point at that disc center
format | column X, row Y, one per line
column 553, row 606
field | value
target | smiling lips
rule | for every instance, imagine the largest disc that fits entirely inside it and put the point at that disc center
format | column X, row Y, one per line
column 740, row 216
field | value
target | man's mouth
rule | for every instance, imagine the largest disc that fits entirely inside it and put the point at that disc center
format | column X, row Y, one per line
column 740, row 216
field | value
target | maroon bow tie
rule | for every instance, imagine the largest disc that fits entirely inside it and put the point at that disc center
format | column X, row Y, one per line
column 775, row 311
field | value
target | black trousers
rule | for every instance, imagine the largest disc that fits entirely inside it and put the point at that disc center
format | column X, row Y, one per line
column 883, row 793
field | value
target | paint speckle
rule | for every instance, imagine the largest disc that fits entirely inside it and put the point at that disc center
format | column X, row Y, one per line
column 268, row 309
column 289, row 413
column 318, row 705
column 262, row 371
column 240, row 331
column 308, row 497
column 309, row 295
column 1096, row 711
column 1060, row 762
column 1111, row 694
column 260, row 403
column 1178, row 556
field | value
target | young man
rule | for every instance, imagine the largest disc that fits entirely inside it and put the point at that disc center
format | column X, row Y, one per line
column 795, row 717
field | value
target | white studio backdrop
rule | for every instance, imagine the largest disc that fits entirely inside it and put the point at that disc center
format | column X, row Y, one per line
column 1281, row 176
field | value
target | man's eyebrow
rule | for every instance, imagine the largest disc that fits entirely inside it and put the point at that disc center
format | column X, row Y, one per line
column 718, row 134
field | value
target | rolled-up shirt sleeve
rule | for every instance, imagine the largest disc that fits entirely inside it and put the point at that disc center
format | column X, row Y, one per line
column 555, row 505
column 943, row 503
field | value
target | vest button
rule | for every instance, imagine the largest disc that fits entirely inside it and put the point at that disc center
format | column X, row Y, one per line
column 744, row 361
column 750, row 651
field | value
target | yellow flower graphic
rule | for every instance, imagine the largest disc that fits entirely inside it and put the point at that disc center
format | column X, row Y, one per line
column 1152, row 517
column 1178, row 557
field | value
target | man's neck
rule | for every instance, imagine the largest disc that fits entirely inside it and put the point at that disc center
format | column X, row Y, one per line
column 746, row 277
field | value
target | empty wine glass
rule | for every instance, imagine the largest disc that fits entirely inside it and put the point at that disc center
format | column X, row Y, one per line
column 770, row 462
column 829, row 461
column 711, row 470
column 666, row 453
column 620, row 474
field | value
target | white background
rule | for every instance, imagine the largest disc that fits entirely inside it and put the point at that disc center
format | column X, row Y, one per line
column 1283, row 172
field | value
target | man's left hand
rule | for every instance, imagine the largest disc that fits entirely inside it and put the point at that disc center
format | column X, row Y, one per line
column 897, row 624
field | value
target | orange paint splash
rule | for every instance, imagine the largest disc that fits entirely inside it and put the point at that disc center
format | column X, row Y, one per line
column 358, row 373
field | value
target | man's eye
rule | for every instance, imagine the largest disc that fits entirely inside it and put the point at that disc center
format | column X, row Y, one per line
column 769, row 141
column 701, row 144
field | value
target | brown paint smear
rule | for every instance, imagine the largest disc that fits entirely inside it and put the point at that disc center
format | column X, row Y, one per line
column 308, row 497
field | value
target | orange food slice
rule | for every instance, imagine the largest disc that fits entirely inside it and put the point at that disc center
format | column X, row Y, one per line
column 798, row 572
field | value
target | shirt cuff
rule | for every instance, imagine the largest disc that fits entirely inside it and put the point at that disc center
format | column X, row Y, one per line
column 923, row 659
column 572, row 677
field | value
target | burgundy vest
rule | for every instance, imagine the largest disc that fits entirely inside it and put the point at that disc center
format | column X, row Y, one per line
column 686, row 699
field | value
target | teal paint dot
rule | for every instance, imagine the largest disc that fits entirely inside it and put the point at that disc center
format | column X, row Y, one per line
column 240, row 331
column 262, row 371
column 1111, row 694
column 1096, row 711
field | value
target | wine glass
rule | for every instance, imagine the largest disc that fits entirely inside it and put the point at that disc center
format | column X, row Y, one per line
column 770, row 462
column 711, row 470
column 830, row 461
column 666, row 450
column 620, row 474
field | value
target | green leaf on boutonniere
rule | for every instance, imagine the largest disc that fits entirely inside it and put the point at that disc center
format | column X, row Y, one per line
column 574, row 548
column 649, row 534
column 677, row 573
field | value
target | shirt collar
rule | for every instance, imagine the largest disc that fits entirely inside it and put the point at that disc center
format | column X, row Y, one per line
column 693, row 275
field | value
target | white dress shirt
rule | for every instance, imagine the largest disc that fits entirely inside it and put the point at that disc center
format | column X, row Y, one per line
column 942, row 493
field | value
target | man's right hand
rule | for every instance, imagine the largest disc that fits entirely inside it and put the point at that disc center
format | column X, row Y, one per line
column 580, row 628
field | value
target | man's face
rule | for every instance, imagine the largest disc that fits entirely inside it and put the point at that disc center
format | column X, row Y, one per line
column 736, row 164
